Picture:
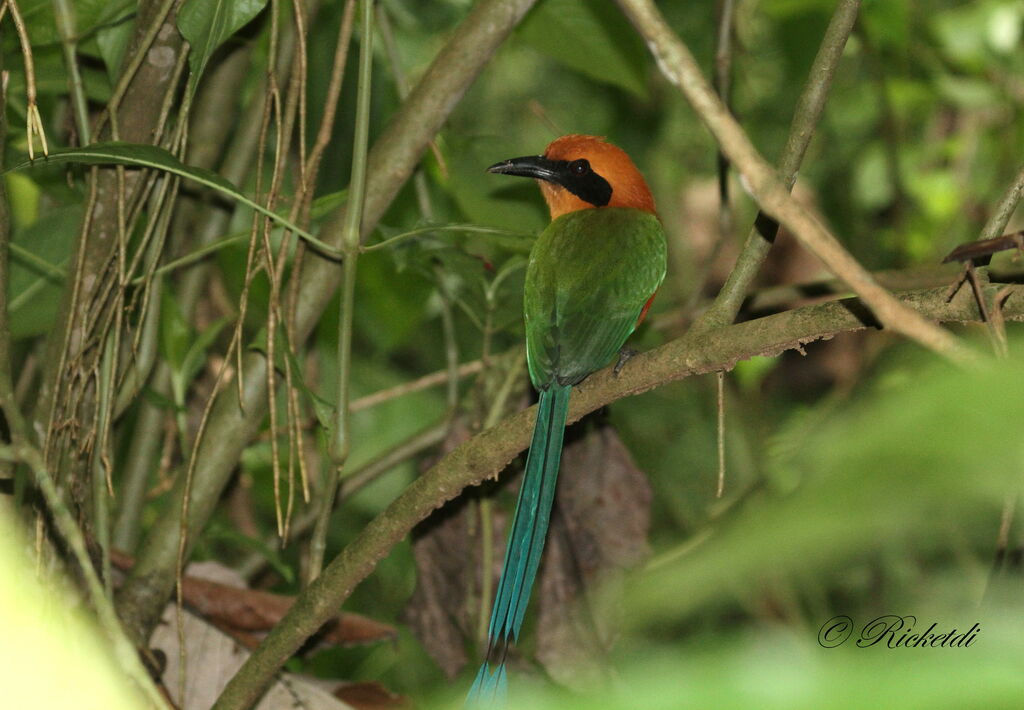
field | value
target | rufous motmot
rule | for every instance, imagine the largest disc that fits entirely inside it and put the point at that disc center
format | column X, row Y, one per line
column 591, row 278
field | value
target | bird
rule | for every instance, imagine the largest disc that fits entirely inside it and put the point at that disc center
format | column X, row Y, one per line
column 591, row 277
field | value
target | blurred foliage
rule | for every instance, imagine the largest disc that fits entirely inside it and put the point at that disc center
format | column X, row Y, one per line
column 860, row 481
column 48, row 629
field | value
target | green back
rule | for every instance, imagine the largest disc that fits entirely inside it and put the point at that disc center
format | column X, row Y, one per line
column 590, row 274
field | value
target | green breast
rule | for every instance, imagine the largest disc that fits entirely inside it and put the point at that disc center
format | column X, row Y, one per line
column 590, row 274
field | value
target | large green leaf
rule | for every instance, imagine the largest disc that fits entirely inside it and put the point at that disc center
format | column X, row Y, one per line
column 206, row 24
column 592, row 37
column 151, row 156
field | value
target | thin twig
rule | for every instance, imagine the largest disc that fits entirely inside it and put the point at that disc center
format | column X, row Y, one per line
column 432, row 380
column 64, row 14
column 722, row 83
column 350, row 237
column 102, row 483
column 469, row 228
column 340, row 439
column 788, row 295
column 304, row 199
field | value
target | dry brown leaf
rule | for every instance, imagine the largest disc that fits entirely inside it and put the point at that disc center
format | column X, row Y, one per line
column 370, row 696
column 212, row 658
column 218, row 593
column 255, row 610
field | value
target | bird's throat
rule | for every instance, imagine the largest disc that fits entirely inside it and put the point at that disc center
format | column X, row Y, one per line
column 561, row 201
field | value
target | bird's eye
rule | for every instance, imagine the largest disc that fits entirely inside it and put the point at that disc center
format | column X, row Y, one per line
column 579, row 167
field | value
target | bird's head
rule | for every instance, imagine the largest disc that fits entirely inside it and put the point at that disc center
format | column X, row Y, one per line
column 582, row 172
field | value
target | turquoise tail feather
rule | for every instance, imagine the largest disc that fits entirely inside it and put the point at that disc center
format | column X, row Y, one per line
column 490, row 689
column 525, row 545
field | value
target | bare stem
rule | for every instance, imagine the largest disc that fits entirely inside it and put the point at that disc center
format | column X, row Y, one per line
column 64, row 14
column 350, row 237
column 425, row 382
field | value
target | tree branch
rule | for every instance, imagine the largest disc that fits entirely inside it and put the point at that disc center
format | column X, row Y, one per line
column 487, row 453
column 679, row 67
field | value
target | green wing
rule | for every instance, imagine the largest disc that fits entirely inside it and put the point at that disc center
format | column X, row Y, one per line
column 590, row 274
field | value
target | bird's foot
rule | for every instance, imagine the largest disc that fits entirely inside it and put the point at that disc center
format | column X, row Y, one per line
column 624, row 356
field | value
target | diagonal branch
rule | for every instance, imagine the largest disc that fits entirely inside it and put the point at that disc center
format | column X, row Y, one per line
column 679, row 67
column 487, row 453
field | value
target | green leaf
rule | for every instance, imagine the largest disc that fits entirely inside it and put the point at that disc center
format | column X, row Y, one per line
column 206, row 24
column 33, row 291
column 591, row 37
column 41, row 25
column 150, row 156
column 175, row 334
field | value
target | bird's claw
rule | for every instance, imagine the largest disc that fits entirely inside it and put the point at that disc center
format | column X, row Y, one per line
column 624, row 356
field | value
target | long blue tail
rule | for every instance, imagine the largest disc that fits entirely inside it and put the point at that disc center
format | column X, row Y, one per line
column 525, row 545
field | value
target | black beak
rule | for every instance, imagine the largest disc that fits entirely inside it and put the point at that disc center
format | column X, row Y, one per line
column 532, row 166
column 575, row 176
